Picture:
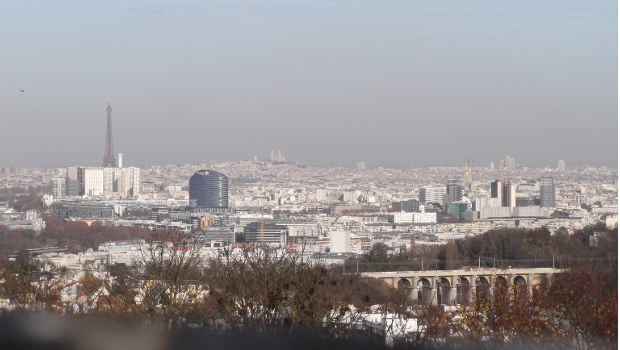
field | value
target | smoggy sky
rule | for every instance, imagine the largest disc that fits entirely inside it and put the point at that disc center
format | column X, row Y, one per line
column 392, row 83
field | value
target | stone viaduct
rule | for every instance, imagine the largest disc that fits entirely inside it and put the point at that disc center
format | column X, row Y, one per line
column 453, row 287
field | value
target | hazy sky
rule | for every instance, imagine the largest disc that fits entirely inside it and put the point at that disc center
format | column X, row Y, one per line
column 392, row 83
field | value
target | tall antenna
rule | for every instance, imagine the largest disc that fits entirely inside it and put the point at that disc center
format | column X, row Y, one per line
column 109, row 161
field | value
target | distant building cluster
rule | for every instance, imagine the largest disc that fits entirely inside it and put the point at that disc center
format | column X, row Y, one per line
column 331, row 212
column 98, row 182
column 324, row 214
column 508, row 164
column 277, row 157
column 17, row 220
column 5, row 170
column 561, row 165
column 302, row 206
column 110, row 180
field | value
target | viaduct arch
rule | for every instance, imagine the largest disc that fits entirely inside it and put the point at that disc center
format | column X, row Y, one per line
column 453, row 287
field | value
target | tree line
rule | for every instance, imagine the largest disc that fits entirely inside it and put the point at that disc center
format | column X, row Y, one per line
column 500, row 248
column 263, row 290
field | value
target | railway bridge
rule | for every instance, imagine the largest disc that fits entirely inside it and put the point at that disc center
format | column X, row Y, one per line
column 462, row 286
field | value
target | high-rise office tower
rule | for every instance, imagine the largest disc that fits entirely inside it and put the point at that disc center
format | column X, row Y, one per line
column 432, row 194
column 109, row 161
column 208, row 189
column 454, row 191
column 547, row 192
column 505, row 192
column 92, row 181
column 410, row 206
column 508, row 164
column 561, row 165
column 58, row 187
column 72, row 185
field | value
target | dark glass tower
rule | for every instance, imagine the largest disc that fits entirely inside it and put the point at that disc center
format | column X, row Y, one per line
column 454, row 191
column 547, row 192
column 504, row 190
column 208, row 189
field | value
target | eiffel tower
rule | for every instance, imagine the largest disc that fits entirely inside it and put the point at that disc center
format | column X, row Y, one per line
column 109, row 161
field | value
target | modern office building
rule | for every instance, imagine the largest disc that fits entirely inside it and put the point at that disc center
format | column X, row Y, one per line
column 508, row 164
column 58, row 187
column 66, row 210
column 454, row 191
column 410, row 205
column 271, row 233
column 160, row 213
column 208, row 189
column 505, row 192
column 457, row 209
column 72, row 186
column 561, row 165
column 432, row 194
column 91, row 181
column 107, row 182
column 216, row 234
column 128, row 182
column 547, row 192
column 526, row 202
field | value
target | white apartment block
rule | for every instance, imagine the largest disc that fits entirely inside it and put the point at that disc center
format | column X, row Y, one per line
column 415, row 218
column 128, row 182
column 340, row 242
column 92, row 181
column 403, row 217
column 58, row 187
column 350, row 196
column 424, row 218
column 110, row 182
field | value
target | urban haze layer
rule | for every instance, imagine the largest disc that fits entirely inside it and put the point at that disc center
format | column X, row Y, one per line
column 440, row 203
column 387, row 220
column 348, row 173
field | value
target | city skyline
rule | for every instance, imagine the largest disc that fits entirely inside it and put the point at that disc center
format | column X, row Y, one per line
column 506, row 164
column 329, row 83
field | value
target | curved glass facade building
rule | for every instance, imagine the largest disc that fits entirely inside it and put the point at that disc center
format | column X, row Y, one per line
column 208, row 189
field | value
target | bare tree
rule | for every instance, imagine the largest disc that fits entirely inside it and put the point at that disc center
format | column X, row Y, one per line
column 170, row 280
column 164, row 285
column 28, row 286
column 266, row 289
